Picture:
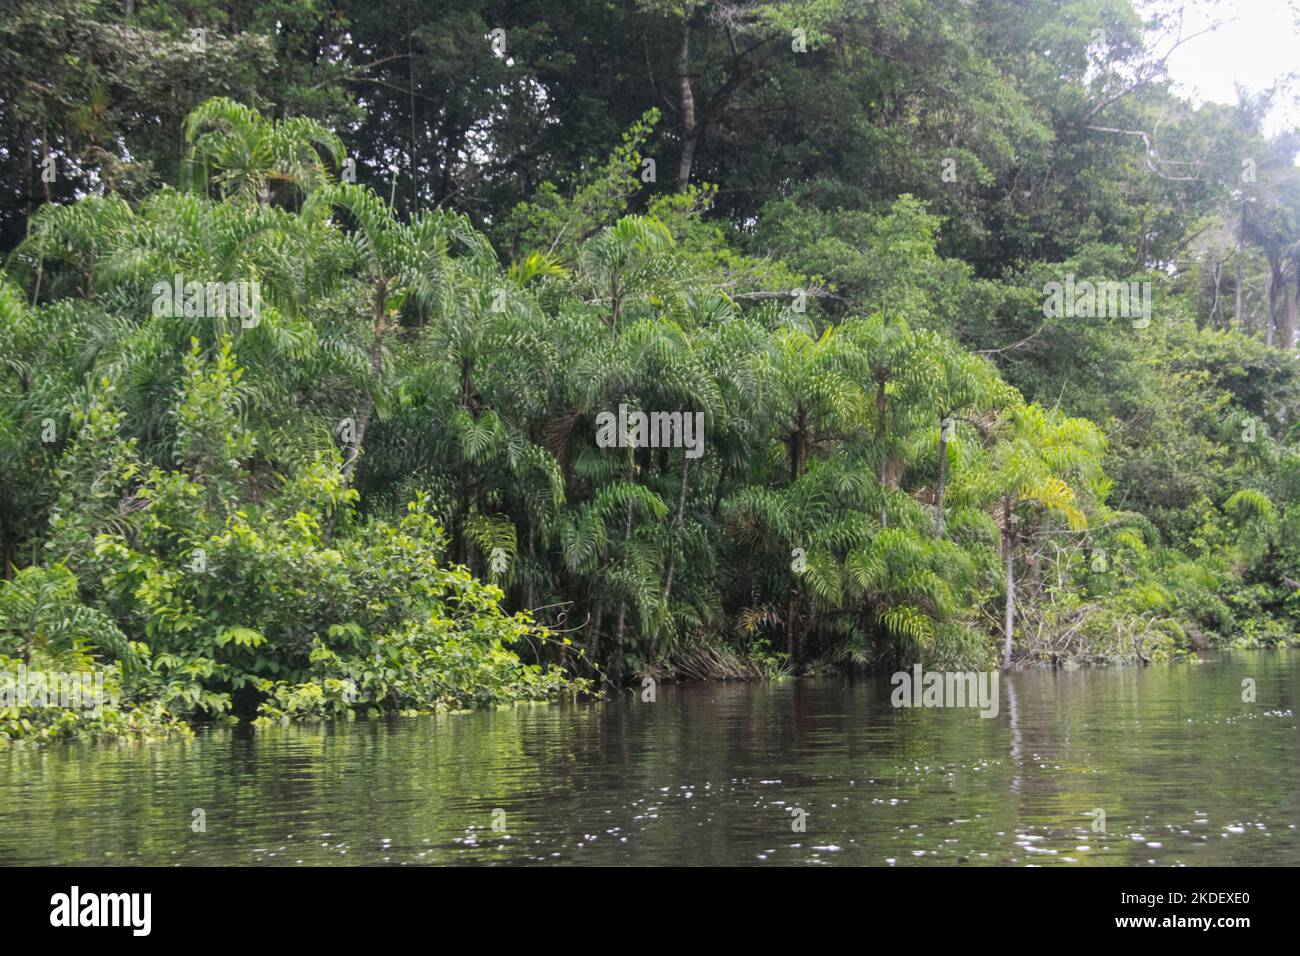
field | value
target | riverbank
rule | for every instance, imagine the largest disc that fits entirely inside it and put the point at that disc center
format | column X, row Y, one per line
column 40, row 712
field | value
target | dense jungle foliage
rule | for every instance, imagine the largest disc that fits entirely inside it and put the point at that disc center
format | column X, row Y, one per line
column 826, row 227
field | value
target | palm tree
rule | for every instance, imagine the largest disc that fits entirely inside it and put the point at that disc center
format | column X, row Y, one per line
column 956, row 382
column 395, row 261
column 250, row 152
column 1045, row 462
column 810, row 397
column 641, row 287
column 39, row 374
column 628, row 262
column 907, row 585
column 111, row 258
column 793, row 538
column 900, row 374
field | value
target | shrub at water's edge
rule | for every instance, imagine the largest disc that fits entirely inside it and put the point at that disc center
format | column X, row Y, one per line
column 276, row 602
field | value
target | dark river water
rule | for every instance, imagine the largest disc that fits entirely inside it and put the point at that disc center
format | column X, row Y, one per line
column 1184, row 770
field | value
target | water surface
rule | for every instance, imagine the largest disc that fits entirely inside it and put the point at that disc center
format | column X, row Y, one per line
column 1185, row 772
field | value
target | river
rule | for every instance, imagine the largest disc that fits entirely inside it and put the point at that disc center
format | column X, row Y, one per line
column 816, row 771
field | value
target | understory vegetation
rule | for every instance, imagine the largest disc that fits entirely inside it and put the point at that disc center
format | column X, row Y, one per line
column 375, row 483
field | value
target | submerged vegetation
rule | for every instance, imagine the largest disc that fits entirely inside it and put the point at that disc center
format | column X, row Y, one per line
column 280, row 444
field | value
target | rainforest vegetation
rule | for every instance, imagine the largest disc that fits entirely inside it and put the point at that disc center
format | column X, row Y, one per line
column 470, row 229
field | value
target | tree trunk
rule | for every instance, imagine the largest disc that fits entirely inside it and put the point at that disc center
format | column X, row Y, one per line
column 464, row 489
column 1010, row 556
column 617, row 663
column 46, row 154
column 1287, row 332
column 881, row 378
column 367, row 408
column 530, row 592
column 1241, row 269
column 30, row 193
column 677, row 526
column 794, row 633
column 799, row 446
column 1274, row 283
column 7, row 561
column 593, row 641
column 1214, row 305
column 690, row 131
column 1295, row 303
column 942, row 483
column 459, row 538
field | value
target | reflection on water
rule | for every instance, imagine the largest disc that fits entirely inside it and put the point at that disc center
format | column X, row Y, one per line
column 1185, row 771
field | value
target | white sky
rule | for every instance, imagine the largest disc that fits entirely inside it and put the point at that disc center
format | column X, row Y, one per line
column 1259, row 47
